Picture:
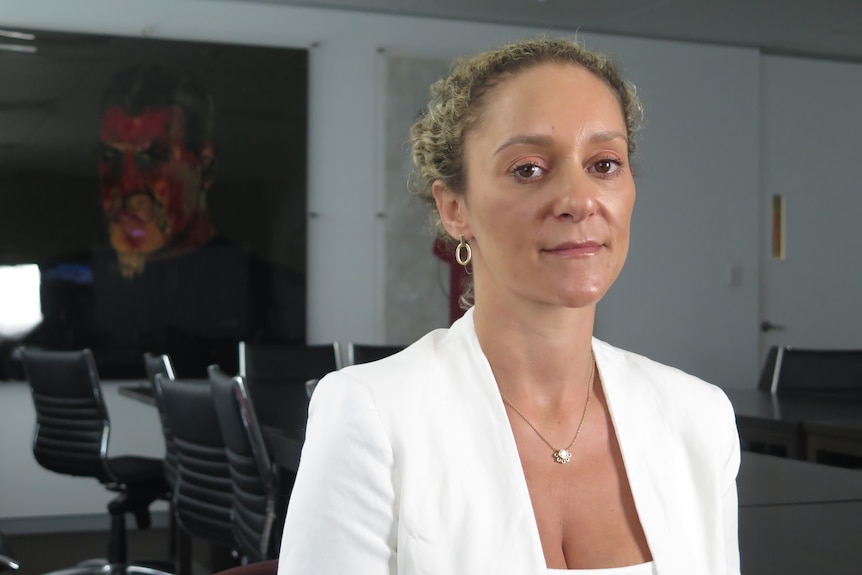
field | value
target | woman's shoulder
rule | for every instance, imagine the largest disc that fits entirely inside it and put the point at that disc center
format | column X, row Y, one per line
column 622, row 367
column 661, row 396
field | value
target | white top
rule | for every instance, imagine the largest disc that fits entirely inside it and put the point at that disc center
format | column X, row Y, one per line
column 410, row 467
column 639, row 569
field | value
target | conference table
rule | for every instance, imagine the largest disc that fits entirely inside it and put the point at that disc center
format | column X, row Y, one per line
column 788, row 421
column 798, row 517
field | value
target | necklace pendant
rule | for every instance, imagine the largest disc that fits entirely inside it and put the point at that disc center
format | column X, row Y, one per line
column 562, row 456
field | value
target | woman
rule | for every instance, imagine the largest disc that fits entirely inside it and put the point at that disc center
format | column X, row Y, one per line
column 515, row 442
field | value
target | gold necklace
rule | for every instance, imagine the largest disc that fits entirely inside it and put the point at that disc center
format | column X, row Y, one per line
column 563, row 455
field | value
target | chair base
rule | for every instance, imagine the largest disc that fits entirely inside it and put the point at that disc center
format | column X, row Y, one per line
column 7, row 558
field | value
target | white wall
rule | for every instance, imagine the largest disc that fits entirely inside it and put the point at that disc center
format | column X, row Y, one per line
column 696, row 217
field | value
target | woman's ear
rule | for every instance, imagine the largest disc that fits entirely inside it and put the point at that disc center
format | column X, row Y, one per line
column 453, row 210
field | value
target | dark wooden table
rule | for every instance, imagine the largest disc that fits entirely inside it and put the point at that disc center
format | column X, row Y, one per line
column 810, row 539
column 798, row 517
column 833, row 438
column 139, row 390
column 767, row 480
column 777, row 419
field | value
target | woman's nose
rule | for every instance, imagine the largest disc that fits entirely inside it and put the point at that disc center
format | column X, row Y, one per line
column 575, row 193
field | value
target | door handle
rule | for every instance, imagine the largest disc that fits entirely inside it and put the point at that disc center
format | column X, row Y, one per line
column 767, row 325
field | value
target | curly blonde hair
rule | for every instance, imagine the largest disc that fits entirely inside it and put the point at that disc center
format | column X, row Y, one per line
column 457, row 102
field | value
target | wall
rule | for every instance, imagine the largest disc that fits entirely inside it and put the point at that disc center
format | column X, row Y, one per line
column 696, row 223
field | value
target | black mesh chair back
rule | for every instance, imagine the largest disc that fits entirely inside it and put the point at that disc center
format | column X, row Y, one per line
column 203, row 495
column 161, row 365
column 255, row 480
column 71, row 437
column 364, row 353
column 821, row 371
column 276, row 375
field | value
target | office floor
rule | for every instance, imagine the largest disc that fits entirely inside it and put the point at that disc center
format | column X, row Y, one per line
column 45, row 552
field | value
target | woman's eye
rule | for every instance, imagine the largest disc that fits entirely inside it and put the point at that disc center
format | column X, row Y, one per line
column 607, row 166
column 528, row 171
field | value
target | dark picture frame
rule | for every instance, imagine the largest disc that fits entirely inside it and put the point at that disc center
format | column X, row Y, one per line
column 244, row 280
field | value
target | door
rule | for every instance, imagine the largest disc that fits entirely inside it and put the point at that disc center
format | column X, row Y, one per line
column 811, row 157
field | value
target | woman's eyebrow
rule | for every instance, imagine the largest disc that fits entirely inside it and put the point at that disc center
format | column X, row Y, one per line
column 535, row 139
column 541, row 140
column 607, row 136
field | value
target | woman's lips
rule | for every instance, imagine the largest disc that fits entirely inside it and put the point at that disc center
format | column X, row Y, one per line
column 575, row 249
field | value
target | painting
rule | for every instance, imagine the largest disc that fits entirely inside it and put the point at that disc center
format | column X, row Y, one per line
column 159, row 187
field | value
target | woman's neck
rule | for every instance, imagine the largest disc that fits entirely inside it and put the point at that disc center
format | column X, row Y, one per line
column 542, row 354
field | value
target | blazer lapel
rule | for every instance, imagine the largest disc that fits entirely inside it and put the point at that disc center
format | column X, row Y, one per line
column 515, row 522
column 637, row 419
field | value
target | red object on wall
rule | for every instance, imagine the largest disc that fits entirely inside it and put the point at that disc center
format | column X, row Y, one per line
column 457, row 277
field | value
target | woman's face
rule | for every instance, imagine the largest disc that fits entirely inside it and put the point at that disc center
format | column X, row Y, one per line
column 549, row 190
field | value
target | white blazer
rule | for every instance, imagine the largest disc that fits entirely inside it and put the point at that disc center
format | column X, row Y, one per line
column 410, row 467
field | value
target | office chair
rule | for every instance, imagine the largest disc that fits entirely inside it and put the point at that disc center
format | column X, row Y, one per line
column 180, row 545
column 310, row 386
column 71, row 437
column 767, row 374
column 256, row 502
column 276, row 377
column 821, row 371
column 161, row 364
column 203, row 493
column 364, row 353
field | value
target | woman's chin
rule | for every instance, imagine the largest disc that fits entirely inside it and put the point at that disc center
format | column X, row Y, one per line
column 587, row 296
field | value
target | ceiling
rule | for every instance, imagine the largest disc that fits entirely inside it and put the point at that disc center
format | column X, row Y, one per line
column 816, row 28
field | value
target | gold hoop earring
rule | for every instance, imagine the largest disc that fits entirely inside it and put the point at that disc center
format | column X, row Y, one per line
column 458, row 255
